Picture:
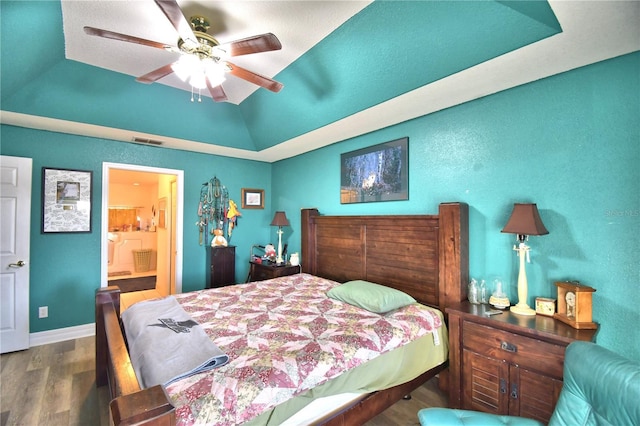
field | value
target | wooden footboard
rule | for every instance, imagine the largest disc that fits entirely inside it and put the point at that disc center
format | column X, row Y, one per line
column 129, row 403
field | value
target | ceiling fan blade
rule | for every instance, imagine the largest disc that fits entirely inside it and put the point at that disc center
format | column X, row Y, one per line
column 173, row 12
column 259, row 43
column 217, row 92
column 130, row 39
column 254, row 78
column 155, row 75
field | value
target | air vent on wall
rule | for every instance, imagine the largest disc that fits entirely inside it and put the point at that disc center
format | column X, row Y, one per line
column 146, row 141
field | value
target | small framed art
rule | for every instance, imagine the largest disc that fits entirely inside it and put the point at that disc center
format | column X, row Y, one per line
column 252, row 198
column 66, row 200
column 376, row 173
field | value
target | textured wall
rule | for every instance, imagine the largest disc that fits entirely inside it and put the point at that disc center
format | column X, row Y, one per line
column 570, row 143
column 65, row 268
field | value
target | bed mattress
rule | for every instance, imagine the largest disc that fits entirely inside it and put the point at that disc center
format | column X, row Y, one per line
column 288, row 344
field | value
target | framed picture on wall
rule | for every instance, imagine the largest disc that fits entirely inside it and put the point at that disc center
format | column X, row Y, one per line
column 66, row 200
column 252, row 198
column 376, row 173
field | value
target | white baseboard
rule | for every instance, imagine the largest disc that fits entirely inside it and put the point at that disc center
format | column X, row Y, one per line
column 61, row 334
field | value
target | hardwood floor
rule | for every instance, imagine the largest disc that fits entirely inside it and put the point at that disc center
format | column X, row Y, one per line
column 405, row 412
column 54, row 385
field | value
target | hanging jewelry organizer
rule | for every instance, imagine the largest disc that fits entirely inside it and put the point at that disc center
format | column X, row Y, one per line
column 212, row 210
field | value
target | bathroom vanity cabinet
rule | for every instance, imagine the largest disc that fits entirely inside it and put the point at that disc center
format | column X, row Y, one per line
column 221, row 265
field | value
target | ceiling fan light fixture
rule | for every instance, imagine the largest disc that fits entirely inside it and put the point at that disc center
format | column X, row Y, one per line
column 203, row 63
column 215, row 73
column 195, row 71
column 185, row 66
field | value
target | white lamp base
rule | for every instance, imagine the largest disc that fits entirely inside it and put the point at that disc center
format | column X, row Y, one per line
column 279, row 259
column 522, row 310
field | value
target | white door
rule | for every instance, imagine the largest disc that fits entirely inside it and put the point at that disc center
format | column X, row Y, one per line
column 15, row 222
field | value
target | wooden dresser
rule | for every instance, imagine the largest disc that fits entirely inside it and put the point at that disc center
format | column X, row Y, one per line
column 507, row 364
column 221, row 265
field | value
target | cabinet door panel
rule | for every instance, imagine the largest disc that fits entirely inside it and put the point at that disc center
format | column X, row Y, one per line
column 485, row 383
column 538, row 394
column 221, row 266
column 514, row 348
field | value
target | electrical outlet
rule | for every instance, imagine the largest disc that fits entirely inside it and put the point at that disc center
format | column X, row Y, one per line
column 43, row 311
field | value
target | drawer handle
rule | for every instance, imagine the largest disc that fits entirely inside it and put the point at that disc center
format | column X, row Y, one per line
column 514, row 391
column 506, row 346
column 503, row 386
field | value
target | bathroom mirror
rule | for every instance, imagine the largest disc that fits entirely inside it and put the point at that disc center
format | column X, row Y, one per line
column 123, row 219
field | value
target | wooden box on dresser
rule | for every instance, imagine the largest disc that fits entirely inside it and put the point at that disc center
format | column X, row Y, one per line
column 507, row 364
column 221, row 264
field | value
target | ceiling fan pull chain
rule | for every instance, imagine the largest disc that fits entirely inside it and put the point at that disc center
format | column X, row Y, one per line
column 191, row 93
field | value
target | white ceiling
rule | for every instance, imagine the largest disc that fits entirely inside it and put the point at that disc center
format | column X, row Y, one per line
column 592, row 31
column 299, row 25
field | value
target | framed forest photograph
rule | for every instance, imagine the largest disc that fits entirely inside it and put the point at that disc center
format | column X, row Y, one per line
column 376, row 173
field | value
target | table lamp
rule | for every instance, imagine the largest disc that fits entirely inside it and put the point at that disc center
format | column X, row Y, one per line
column 524, row 221
column 280, row 220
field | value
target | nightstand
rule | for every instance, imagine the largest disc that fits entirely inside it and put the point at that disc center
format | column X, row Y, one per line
column 507, row 364
column 264, row 271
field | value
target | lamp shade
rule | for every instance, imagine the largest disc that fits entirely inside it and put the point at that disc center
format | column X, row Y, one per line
column 525, row 220
column 280, row 219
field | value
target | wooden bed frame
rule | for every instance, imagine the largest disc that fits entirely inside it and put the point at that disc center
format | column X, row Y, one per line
column 425, row 256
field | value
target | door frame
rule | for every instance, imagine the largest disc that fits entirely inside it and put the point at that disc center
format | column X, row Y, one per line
column 177, row 223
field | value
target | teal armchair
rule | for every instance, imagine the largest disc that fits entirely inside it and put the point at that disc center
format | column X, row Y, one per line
column 600, row 387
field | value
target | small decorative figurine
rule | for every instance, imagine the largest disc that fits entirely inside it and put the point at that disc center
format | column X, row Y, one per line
column 219, row 240
column 232, row 216
column 270, row 252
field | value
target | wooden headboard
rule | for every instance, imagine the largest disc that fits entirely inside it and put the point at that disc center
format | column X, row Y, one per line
column 426, row 256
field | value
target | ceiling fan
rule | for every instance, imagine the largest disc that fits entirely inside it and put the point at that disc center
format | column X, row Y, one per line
column 203, row 57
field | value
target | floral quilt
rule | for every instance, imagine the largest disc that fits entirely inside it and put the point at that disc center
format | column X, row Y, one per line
column 283, row 337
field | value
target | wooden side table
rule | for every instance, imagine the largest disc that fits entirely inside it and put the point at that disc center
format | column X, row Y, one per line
column 507, row 364
column 265, row 271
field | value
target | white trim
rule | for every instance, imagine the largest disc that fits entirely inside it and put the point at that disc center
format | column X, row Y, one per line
column 61, row 334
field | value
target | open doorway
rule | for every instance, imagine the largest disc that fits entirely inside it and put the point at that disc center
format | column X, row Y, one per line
column 154, row 223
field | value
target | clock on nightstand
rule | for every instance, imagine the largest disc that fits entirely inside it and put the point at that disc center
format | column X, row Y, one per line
column 575, row 305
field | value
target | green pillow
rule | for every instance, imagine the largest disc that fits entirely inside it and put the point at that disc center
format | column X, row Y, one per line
column 372, row 297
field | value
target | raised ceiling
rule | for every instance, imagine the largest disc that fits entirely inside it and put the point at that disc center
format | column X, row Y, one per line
column 348, row 67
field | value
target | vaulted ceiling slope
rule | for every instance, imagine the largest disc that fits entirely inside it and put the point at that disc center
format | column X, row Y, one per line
column 346, row 70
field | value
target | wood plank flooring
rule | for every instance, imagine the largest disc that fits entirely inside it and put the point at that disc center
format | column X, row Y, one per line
column 54, row 385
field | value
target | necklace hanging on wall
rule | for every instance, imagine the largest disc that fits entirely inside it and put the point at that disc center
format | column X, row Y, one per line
column 214, row 202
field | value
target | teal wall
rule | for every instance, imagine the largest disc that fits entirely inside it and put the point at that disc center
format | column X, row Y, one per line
column 65, row 268
column 570, row 143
